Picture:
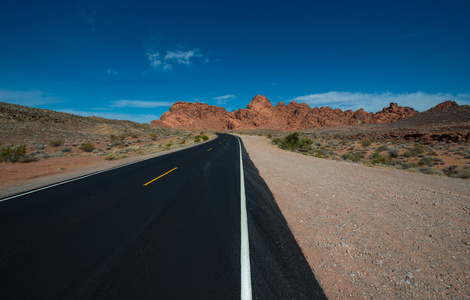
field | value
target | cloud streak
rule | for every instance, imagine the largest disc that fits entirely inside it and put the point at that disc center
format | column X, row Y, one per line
column 111, row 71
column 27, row 98
column 224, row 99
column 140, row 118
column 139, row 104
column 90, row 17
column 172, row 58
column 420, row 101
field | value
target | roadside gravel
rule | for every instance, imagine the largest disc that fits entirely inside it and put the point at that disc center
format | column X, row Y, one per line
column 372, row 233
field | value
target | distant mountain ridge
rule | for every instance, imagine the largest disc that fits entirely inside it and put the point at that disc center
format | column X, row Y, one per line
column 261, row 114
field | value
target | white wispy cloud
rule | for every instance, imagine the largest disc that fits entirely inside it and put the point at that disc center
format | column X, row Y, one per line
column 154, row 59
column 224, row 99
column 140, row 118
column 139, row 103
column 90, row 16
column 420, row 101
column 171, row 58
column 27, row 98
column 111, row 71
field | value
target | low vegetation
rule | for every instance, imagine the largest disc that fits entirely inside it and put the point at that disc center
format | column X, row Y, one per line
column 87, row 147
column 198, row 138
column 444, row 159
column 12, row 153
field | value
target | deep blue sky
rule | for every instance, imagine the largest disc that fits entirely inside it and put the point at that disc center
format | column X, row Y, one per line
column 132, row 59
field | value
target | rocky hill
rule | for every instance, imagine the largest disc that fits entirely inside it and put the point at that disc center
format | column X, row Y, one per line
column 261, row 114
column 20, row 124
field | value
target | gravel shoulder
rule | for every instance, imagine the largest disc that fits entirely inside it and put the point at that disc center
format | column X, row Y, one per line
column 372, row 233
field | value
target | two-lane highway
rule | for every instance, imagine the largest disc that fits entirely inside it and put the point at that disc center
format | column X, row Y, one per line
column 165, row 228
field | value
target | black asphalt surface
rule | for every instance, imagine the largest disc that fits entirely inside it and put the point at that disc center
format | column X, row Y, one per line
column 108, row 236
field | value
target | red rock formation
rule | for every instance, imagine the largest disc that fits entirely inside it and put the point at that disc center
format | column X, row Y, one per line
column 260, row 113
column 447, row 104
column 392, row 113
column 194, row 116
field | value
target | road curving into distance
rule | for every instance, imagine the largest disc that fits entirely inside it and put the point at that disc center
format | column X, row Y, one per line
column 167, row 228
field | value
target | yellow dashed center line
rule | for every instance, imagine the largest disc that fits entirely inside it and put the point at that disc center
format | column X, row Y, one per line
column 160, row 176
column 209, row 149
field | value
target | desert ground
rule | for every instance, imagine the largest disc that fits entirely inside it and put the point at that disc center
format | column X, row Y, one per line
column 379, row 211
column 372, row 233
column 367, row 232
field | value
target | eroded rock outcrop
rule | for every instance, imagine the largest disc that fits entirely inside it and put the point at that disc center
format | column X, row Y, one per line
column 260, row 113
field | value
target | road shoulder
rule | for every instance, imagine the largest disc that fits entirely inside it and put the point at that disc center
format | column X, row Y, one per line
column 371, row 232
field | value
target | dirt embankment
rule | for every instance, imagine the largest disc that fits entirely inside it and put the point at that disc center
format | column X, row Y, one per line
column 372, row 233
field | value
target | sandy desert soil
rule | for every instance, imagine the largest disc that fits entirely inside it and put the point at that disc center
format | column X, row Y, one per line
column 367, row 233
column 372, row 233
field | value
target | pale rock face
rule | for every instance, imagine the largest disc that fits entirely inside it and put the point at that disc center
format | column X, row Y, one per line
column 261, row 114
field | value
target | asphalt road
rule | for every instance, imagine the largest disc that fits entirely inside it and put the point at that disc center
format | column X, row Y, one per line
column 164, row 228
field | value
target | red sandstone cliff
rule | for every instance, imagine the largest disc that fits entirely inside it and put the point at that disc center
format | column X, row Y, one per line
column 260, row 113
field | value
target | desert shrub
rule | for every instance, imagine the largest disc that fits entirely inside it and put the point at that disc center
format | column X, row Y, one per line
column 320, row 153
column 376, row 158
column 294, row 142
column 56, row 143
column 67, row 149
column 276, row 141
column 135, row 136
column 124, row 150
column 406, row 165
column 407, row 154
column 182, row 142
column 197, row 138
column 204, row 137
column 382, row 148
column 352, row 156
column 28, row 158
column 333, row 143
column 87, row 147
column 153, row 136
column 305, row 145
column 58, row 154
column 418, row 149
column 290, row 141
column 428, row 170
column 111, row 156
column 430, row 161
column 367, row 143
column 269, row 136
column 425, row 161
column 463, row 173
column 12, row 153
column 450, row 170
column 393, row 153
column 115, row 140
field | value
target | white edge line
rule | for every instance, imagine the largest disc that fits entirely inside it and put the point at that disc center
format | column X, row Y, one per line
column 95, row 173
column 245, row 245
column 67, row 181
